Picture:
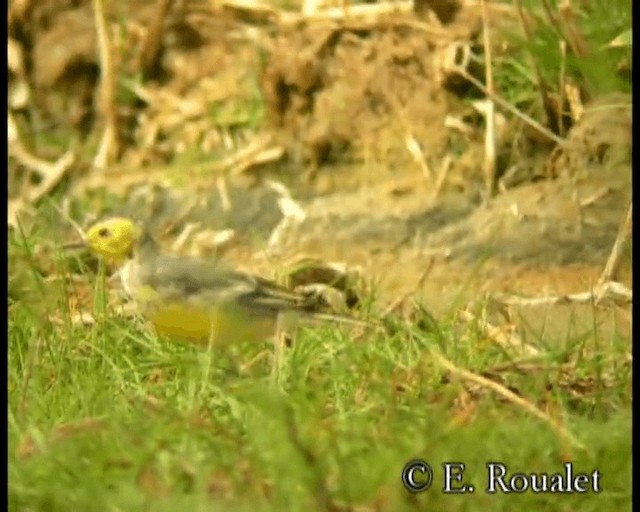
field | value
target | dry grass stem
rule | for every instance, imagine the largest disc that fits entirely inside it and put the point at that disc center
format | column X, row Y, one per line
column 490, row 132
column 596, row 196
column 507, row 340
column 510, row 108
column 616, row 292
column 509, row 395
column 402, row 298
column 108, row 148
column 613, row 263
column 50, row 173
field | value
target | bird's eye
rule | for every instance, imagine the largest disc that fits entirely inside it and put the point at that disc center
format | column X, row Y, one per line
column 104, row 233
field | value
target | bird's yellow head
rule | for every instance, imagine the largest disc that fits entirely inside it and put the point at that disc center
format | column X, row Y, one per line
column 113, row 239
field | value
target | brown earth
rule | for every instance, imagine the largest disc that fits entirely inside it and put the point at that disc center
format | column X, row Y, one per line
column 383, row 149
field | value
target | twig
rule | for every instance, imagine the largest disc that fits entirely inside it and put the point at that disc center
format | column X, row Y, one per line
column 510, row 108
column 151, row 54
column 507, row 341
column 490, row 132
column 71, row 222
column 561, row 86
column 413, row 146
column 617, row 292
column 293, row 214
column 456, row 123
column 56, row 172
column 355, row 17
column 108, row 144
column 183, row 236
column 575, row 197
column 257, row 152
column 519, row 365
column 223, row 193
column 509, row 395
column 596, row 196
column 443, row 171
column 398, row 302
column 381, row 13
column 361, row 12
column 268, row 155
column 50, row 173
column 613, row 263
column 572, row 34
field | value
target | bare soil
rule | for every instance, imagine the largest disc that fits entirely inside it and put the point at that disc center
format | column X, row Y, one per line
column 352, row 104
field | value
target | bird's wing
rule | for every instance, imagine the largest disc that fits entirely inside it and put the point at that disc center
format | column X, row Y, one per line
column 210, row 282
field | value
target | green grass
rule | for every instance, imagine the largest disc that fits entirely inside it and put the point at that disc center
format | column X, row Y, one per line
column 107, row 417
column 558, row 58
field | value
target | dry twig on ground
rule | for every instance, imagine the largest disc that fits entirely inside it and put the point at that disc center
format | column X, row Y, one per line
column 509, row 395
column 107, row 97
column 613, row 263
column 506, row 338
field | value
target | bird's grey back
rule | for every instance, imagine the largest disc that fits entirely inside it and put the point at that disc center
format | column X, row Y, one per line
column 212, row 282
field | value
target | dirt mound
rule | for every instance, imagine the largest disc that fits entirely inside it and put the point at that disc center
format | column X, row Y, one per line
column 329, row 87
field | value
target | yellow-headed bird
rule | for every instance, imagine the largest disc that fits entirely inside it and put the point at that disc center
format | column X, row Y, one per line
column 198, row 300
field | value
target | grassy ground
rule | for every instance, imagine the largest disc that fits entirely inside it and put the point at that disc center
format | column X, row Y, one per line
column 108, row 417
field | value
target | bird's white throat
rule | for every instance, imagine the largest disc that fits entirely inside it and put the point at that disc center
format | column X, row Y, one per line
column 129, row 274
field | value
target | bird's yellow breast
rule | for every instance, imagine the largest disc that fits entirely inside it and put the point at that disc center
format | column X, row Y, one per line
column 222, row 325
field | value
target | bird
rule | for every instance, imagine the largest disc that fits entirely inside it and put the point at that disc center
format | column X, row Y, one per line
column 200, row 300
